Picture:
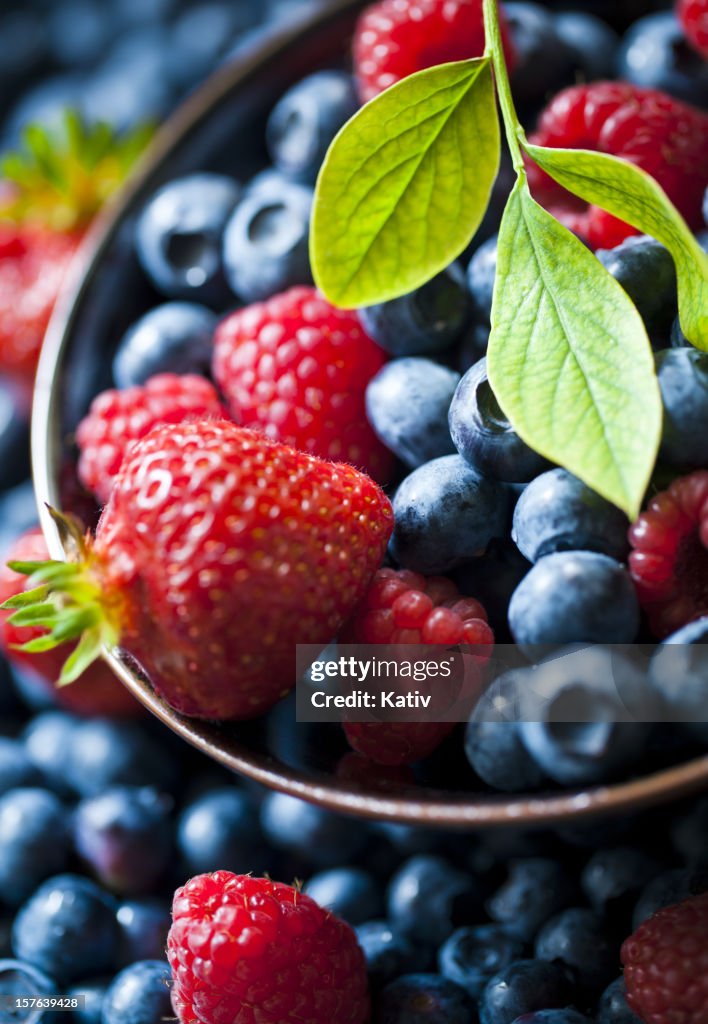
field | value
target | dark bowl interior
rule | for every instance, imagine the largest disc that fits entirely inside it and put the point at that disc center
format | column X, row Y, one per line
column 221, row 128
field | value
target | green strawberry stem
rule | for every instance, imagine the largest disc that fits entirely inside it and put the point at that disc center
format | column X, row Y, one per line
column 495, row 50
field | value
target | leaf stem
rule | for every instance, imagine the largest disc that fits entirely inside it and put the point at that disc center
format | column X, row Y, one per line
column 495, row 50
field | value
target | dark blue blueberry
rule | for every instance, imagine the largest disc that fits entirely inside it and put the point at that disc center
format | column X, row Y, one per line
column 142, row 13
column 14, row 436
column 613, row 878
column 407, row 403
column 585, row 714
column 32, row 689
column 18, row 512
column 612, row 1008
column 202, row 34
column 144, row 925
column 320, row 837
column 523, row 987
column 18, row 979
column 424, row 999
column 445, row 514
column 23, row 32
column 646, row 271
column 558, row 512
column 424, row 322
column 679, row 674
column 591, row 41
column 577, row 939
column 266, row 247
column 78, row 32
column 493, row 578
column 566, row 1015
column 34, row 841
column 388, row 953
column 68, row 928
column 219, row 831
column 16, row 767
column 350, row 893
column 92, row 992
column 575, row 597
column 180, row 233
column 481, row 273
column 688, row 834
column 536, row 888
column 483, row 435
column 655, row 54
column 124, row 836
column 306, row 119
column 683, row 379
column 47, row 739
column 428, row 899
column 544, row 62
column 132, row 85
column 110, row 753
column 473, row 346
column 471, row 956
column 672, row 886
column 140, row 994
column 176, row 337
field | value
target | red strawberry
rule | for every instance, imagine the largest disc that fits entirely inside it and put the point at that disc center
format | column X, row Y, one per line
column 664, row 136
column 250, row 951
column 97, row 691
column 297, row 369
column 669, row 563
column 693, row 15
column 406, row 608
column 118, row 418
column 395, row 38
column 217, row 553
column 666, row 965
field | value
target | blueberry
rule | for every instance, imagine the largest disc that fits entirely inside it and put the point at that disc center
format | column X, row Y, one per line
column 575, row 597
column 591, row 40
column 424, row 999
column 388, row 953
column 350, row 893
column 523, row 987
column 110, row 753
column 536, row 888
column 646, row 271
column 483, row 435
column 173, row 338
column 493, row 578
column 472, row 346
column 47, row 739
column 132, row 85
column 654, row 54
column 613, row 878
column 471, row 956
column 18, row 512
column 544, row 62
column 677, row 339
column 612, row 1008
column 179, row 236
column 124, row 837
column 34, row 841
column 672, row 886
column 320, row 837
column 426, row 321
column 445, row 514
column 688, row 834
column 407, row 403
column 679, row 674
column 567, row 1015
column 78, row 33
column 481, row 273
column 16, row 767
column 683, row 379
column 219, row 831
column 67, row 928
column 18, row 979
column 428, row 899
column 201, row 35
column 144, row 925
column 14, row 436
column 306, row 119
column 266, row 248
column 558, row 512
column 577, row 939
column 92, row 992
column 140, row 994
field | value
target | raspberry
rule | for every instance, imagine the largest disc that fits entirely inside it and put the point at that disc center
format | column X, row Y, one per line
column 403, row 607
column 693, row 15
column 666, row 965
column 118, row 418
column 669, row 563
column 250, row 951
column 297, row 369
column 664, row 136
column 396, row 38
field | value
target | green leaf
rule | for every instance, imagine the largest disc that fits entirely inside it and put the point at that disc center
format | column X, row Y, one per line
column 405, row 184
column 630, row 193
column 569, row 359
column 84, row 654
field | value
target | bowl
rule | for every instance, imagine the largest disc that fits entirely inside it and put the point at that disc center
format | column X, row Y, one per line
column 220, row 127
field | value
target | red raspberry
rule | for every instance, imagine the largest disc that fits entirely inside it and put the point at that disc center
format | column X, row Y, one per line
column 666, row 965
column 669, row 563
column 250, row 951
column 297, row 369
column 118, row 418
column 665, row 137
column 693, row 15
column 403, row 607
column 396, row 38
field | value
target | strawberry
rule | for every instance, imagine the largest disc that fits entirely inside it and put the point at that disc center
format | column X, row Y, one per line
column 48, row 196
column 217, row 552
